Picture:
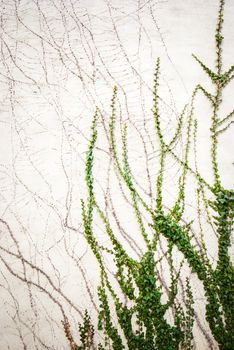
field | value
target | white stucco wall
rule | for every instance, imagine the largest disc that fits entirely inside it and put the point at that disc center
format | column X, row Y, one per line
column 59, row 60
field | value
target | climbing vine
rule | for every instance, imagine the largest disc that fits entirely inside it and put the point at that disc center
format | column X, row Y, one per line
column 136, row 317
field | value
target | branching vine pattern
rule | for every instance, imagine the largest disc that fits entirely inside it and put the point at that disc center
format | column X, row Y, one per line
column 93, row 254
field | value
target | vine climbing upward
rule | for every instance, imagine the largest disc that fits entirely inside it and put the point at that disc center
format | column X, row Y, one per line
column 134, row 310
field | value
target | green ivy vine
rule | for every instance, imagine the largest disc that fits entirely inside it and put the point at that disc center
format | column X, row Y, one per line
column 142, row 322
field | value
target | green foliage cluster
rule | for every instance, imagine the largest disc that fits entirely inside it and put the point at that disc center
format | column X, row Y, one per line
column 86, row 331
column 142, row 322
